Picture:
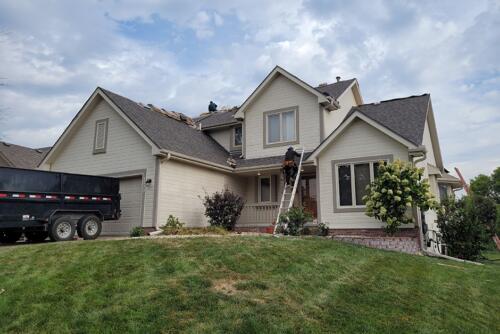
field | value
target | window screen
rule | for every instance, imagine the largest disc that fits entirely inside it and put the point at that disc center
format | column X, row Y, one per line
column 238, row 131
column 273, row 135
column 361, row 180
column 345, row 191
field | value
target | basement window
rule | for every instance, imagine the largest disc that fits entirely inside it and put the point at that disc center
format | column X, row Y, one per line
column 100, row 136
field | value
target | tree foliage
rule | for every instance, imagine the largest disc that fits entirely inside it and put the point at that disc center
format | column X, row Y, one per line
column 398, row 188
column 487, row 185
column 463, row 224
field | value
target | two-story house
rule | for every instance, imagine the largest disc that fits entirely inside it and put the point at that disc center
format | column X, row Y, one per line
column 166, row 161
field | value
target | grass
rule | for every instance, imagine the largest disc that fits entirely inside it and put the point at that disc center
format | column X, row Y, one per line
column 241, row 285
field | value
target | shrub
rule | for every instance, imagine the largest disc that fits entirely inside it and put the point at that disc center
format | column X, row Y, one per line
column 223, row 209
column 322, row 229
column 461, row 228
column 292, row 222
column 397, row 188
column 173, row 225
column 137, row 232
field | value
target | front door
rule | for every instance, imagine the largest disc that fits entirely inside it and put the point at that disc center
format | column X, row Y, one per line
column 308, row 194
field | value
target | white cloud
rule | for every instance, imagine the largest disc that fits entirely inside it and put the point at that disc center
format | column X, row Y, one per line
column 55, row 60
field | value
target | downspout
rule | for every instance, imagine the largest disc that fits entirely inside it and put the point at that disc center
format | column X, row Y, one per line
column 421, row 154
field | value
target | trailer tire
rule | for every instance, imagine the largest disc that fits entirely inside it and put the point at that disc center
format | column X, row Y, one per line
column 36, row 236
column 10, row 237
column 62, row 229
column 89, row 227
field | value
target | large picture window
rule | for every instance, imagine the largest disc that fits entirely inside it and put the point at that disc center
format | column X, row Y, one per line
column 281, row 126
column 352, row 178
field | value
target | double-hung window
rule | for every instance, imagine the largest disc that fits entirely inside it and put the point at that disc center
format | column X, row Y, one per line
column 352, row 178
column 281, row 126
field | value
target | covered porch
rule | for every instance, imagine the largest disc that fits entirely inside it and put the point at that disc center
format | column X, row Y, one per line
column 264, row 191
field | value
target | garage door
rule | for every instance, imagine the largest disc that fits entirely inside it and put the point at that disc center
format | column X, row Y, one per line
column 131, row 206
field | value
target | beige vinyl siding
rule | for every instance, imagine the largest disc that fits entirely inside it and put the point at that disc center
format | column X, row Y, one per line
column 332, row 119
column 357, row 141
column 182, row 187
column 222, row 136
column 281, row 93
column 126, row 151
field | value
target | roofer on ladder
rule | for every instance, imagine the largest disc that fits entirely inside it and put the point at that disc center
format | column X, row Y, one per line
column 290, row 168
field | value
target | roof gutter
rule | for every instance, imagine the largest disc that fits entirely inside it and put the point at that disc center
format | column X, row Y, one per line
column 170, row 155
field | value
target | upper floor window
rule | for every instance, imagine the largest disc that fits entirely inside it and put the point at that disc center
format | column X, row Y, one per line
column 281, row 126
column 101, row 136
column 352, row 180
column 237, row 135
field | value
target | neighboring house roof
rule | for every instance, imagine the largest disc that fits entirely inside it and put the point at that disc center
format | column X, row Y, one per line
column 170, row 134
column 335, row 89
column 404, row 116
column 21, row 156
column 217, row 119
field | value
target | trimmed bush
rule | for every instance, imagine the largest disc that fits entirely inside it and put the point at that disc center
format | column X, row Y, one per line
column 223, row 209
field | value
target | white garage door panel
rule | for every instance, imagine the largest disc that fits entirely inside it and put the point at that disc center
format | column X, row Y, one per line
column 131, row 206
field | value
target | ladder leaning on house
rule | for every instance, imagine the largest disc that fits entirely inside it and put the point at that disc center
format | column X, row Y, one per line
column 289, row 194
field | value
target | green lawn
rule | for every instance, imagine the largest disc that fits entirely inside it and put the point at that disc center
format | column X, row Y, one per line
column 240, row 284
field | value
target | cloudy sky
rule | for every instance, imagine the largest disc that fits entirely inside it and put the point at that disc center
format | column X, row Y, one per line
column 181, row 54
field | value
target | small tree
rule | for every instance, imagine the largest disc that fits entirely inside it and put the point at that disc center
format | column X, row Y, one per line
column 397, row 188
column 461, row 227
column 292, row 222
column 223, row 209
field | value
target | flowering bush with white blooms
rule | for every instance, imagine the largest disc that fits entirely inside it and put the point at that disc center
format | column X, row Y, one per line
column 397, row 188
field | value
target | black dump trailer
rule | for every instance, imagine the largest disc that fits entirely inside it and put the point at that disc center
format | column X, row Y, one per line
column 44, row 204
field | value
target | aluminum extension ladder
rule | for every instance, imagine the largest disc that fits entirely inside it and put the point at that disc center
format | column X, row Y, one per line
column 288, row 194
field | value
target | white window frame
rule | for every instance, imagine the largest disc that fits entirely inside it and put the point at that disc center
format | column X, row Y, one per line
column 270, row 189
column 353, row 181
column 102, row 149
column 280, row 113
column 234, row 136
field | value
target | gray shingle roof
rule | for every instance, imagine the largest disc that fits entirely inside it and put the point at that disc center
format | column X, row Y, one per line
column 335, row 89
column 274, row 160
column 21, row 156
column 404, row 116
column 170, row 134
column 219, row 118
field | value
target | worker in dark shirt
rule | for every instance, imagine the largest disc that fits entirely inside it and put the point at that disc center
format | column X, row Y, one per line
column 289, row 165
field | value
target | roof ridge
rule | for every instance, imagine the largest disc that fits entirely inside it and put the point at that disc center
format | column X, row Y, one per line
column 336, row 82
column 394, row 99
